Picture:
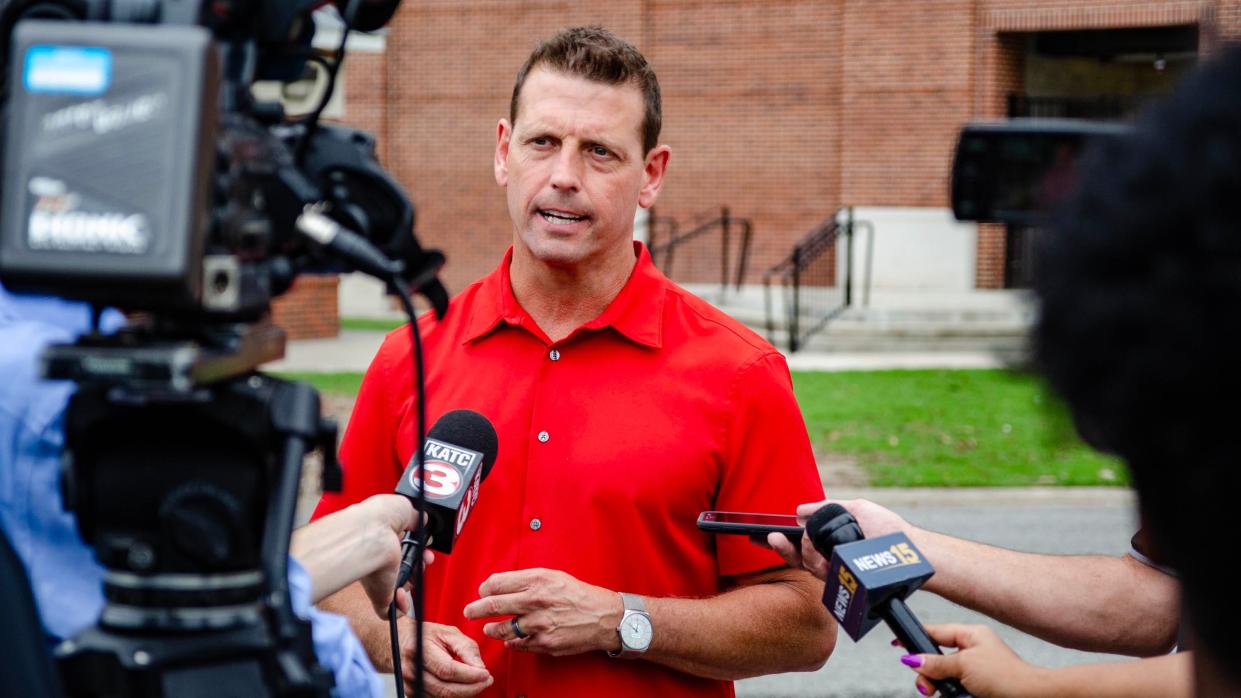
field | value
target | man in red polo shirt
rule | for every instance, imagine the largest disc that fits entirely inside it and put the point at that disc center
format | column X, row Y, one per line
column 624, row 407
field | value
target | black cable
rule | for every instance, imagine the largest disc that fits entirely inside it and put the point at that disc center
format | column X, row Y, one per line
column 395, row 638
column 420, row 538
column 326, row 65
column 312, row 123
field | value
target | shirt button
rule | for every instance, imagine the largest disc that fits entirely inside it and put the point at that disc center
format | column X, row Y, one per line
column 544, row 436
column 535, row 524
column 554, row 355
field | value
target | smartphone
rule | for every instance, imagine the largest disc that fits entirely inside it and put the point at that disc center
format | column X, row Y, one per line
column 756, row 526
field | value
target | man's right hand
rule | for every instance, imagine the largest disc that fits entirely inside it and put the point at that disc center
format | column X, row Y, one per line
column 874, row 520
column 454, row 667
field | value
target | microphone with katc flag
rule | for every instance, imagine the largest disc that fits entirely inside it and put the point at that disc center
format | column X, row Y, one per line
column 458, row 454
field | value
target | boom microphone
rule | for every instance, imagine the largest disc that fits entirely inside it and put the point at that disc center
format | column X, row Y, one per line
column 458, row 453
column 868, row 581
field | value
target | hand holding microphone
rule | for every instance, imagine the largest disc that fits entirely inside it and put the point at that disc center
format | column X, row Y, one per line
column 868, row 581
column 361, row 542
column 983, row 663
column 458, row 454
column 875, row 521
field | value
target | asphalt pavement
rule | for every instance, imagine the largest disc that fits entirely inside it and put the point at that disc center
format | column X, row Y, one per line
column 1063, row 521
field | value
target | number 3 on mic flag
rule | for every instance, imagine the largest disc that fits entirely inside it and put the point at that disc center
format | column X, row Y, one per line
column 443, row 480
column 452, row 476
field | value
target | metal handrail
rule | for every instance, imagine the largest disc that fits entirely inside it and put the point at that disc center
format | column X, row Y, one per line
column 664, row 253
column 813, row 245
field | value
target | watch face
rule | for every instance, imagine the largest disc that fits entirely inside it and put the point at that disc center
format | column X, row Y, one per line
column 636, row 631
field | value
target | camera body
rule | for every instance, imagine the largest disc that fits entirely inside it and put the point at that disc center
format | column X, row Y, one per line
column 109, row 160
column 141, row 173
column 1015, row 171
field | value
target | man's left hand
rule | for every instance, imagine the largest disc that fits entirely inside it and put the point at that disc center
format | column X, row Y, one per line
column 558, row 614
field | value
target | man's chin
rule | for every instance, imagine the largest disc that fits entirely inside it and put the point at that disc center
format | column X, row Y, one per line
column 557, row 253
column 560, row 259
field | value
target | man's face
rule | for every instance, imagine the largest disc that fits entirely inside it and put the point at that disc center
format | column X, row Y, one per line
column 574, row 169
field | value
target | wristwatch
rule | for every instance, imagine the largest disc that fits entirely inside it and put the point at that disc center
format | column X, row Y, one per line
column 635, row 627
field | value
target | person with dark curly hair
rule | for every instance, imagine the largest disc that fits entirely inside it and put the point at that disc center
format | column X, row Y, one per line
column 1139, row 280
column 1140, row 332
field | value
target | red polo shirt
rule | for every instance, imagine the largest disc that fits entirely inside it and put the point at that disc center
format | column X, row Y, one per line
column 612, row 441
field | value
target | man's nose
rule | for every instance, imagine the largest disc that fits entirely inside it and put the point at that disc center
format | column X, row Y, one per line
column 567, row 171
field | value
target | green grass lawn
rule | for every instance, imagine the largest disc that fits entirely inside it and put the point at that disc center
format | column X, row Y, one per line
column 346, row 383
column 952, row 428
column 370, row 324
column 927, row 428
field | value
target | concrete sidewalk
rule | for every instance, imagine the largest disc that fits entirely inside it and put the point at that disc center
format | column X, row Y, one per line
column 353, row 350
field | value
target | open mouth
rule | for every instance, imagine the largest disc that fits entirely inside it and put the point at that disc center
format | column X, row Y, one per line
column 561, row 217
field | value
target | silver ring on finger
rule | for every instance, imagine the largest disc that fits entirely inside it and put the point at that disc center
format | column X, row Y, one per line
column 517, row 629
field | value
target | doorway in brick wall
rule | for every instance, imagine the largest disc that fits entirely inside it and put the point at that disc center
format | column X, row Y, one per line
column 1100, row 74
column 1095, row 74
column 1019, row 255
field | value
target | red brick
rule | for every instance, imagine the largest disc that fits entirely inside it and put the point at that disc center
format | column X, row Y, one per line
column 782, row 111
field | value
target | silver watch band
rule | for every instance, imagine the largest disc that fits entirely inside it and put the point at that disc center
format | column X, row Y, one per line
column 633, row 602
column 632, row 605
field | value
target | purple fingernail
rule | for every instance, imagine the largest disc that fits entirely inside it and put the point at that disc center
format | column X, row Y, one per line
column 922, row 690
column 911, row 660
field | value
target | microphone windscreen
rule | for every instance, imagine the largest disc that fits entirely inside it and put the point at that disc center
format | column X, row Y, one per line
column 468, row 429
column 824, row 515
column 830, row 526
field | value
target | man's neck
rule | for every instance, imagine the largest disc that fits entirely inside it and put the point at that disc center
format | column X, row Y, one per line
column 562, row 298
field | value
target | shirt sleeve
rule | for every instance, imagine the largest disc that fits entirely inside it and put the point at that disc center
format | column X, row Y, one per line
column 336, row 647
column 368, row 456
column 769, row 464
column 32, row 512
column 1140, row 549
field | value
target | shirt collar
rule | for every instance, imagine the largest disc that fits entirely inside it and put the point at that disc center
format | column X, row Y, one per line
column 636, row 312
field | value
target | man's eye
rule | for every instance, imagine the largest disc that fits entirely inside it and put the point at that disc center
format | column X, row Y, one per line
column 541, row 141
column 600, row 151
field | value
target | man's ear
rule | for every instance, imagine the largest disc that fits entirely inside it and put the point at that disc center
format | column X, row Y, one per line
column 504, row 132
column 655, row 167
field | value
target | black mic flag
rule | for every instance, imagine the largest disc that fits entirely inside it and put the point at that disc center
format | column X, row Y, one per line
column 458, row 453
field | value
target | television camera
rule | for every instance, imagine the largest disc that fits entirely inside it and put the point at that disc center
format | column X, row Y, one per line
column 141, row 173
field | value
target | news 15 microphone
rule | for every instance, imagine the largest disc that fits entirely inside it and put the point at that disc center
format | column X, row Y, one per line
column 458, row 454
column 869, row 580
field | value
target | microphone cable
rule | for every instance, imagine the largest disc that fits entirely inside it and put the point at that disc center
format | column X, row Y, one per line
column 312, row 121
column 419, row 532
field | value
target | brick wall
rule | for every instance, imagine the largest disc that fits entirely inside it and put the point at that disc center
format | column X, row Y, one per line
column 309, row 309
column 752, row 97
column 1223, row 24
column 782, row 110
column 366, row 86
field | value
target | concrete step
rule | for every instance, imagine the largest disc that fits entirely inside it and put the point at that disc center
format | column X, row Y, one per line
column 1008, row 349
column 971, row 322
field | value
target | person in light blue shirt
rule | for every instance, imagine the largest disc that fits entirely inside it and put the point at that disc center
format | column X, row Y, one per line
column 67, row 580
